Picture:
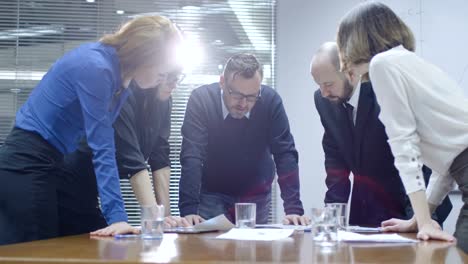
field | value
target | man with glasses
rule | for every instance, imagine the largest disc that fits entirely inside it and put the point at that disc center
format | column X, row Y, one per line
column 142, row 131
column 230, row 132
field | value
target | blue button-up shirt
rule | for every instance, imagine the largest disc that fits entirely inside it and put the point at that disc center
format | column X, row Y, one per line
column 81, row 96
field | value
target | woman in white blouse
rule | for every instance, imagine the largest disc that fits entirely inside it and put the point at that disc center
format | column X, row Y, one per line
column 425, row 113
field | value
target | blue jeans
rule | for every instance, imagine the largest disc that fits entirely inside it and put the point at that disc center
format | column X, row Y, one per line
column 213, row 204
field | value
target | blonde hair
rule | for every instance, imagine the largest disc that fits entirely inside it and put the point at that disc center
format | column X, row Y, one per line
column 368, row 29
column 143, row 41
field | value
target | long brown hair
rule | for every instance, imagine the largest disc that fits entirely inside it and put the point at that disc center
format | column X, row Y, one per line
column 368, row 29
column 142, row 41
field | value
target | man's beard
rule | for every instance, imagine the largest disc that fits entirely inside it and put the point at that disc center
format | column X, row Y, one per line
column 347, row 92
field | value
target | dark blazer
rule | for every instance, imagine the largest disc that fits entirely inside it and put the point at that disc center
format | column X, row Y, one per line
column 378, row 193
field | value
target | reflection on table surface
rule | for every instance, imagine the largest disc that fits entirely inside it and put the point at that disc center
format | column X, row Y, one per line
column 203, row 248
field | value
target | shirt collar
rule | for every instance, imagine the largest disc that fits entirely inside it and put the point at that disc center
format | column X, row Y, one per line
column 225, row 110
column 354, row 100
column 399, row 47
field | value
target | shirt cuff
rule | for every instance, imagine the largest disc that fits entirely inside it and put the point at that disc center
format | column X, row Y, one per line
column 158, row 164
column 409, row 165
column 115, row 217
column 128, row 173
column 296, row 211
column 188, row 210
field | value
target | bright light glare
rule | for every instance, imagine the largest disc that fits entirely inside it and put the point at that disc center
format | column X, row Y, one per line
column 165, row 252
column 190, row 54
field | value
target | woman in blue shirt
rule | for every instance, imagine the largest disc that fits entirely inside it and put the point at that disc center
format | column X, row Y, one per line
column 142, row 132
column 80, row 96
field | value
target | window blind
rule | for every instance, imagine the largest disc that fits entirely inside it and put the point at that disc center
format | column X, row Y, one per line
column 34, row 33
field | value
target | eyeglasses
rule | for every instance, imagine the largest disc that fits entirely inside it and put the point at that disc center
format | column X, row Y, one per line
column 239, row 96
column 175, row 77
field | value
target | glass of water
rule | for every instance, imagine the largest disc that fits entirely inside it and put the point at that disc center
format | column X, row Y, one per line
column 341, row 214
column 246, row 215
column 152, row 221
column 324, row 226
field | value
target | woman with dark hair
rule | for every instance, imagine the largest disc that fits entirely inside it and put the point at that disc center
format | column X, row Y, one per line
column 142, row 131
column 425, row 113
column 80, row 96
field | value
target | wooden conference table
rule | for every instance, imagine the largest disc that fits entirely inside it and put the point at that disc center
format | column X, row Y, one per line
column 204, row 248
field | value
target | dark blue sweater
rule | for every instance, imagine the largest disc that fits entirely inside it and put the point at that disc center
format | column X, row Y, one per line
column 234, row 156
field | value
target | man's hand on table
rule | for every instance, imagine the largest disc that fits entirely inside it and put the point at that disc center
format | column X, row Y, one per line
column 294, row 219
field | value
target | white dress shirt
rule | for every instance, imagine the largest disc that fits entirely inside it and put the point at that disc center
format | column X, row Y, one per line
column 425, row 114
column 354, row 100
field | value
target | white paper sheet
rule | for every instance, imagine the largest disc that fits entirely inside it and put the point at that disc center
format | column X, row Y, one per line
column 261, row 234
column 382, row 238
column 281, row 226
column 219, row 222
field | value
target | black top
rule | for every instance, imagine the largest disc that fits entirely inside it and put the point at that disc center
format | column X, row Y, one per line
column 234, row 156
column 142, row 131
column 378, row 193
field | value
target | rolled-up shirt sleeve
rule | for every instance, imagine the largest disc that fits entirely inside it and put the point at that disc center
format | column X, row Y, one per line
column 94, row 90
column 399, row 120
column 159, row 157
column 130, row 158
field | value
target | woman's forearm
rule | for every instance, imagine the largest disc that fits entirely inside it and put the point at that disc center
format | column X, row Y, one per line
column 420, row 207
column 161, row 180
column 141, row 185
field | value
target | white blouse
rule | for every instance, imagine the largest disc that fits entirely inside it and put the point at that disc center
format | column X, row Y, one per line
column 425, row 114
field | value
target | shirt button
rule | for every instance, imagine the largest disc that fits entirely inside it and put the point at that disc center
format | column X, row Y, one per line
column 417, row 177
column 413, row 159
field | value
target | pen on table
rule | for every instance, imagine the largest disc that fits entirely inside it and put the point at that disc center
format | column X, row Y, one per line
column 126, row 236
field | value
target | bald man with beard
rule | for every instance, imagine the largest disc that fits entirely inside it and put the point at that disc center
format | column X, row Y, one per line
column 355, row 142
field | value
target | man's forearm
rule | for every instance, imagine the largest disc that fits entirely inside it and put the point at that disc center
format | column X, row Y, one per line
column 290, row 192
column 141, row 185
column 189, row 185
column 338, row 185
column 161, row 181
